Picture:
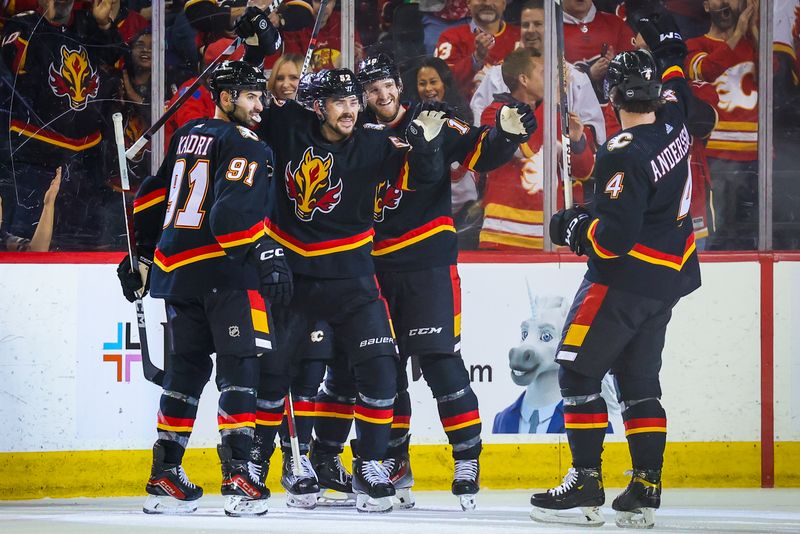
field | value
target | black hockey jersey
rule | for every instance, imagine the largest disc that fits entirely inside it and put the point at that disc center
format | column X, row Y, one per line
column 414, row 230
column 205, row 209
column 56, row 71
column 324, row 192
column 641, row 239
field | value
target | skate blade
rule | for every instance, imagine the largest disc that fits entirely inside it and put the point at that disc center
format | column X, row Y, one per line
column 404, row 499
column 367, row 504
column 467, row 501
column 307, row 501
column 164, row 504
column 639, row 518
column 333, row 498
column 240, row 506
column 590, row 516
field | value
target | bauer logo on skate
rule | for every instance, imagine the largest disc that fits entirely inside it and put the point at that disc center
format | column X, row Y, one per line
column 75, row 78
column 310, row 187
column 117, row 352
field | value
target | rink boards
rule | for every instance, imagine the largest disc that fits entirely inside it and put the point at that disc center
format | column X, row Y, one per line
column 76, row 406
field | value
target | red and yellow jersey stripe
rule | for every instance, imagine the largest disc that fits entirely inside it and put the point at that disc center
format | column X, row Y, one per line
column 174, row 424
column 431, row 228
column 586, row 313
column 320, row 248
column 258, row 311
column 460, row 421
column 334, row 410
column 401, row 421
column 245, row 237
column 53, row 138
column 645, row 424
column 578, row 421
column 149, row 200
column 374, row 415
column 227, row 421
column 193, row 255
column 268, row 418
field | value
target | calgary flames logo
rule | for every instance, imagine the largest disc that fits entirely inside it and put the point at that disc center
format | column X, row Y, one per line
column 75, row 79
column 387, row 197
column 310, row 187
column 737, row 87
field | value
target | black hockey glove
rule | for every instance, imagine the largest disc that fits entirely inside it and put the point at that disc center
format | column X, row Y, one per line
column 258, row 32
column 135, row 285
column 663, row 38
column 423, row 133
column 274, row 272
column 567, row 227
column 516, row 122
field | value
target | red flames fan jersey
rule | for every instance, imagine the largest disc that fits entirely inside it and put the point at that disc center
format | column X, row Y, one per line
column 641, row 238
column 457, row 44
column 328, row 51
column 514, row 199
column 324, row 192
column 733, row 73
column 414, row 229
column 57, row 74
column 210, row 197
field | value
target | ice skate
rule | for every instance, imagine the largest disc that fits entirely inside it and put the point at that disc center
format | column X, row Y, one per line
column 637, row 504
column 582, row 488
column 402, row 479
column 169, row 489
column 301, row 489
column 466, row 482
column 374, row 490
column 335, row 483
column 242, row 485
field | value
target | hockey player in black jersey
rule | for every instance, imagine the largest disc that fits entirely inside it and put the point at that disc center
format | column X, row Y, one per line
column 415, row 256
column 326, row 173
column 642, row 260
column 201, row 237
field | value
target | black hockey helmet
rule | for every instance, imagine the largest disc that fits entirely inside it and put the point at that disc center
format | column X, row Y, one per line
column 335, row 83
column 235, row 76
column 306, row 89
column 636, row 76
column 378, row 67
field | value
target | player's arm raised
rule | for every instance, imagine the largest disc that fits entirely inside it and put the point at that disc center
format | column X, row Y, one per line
column 611, row 229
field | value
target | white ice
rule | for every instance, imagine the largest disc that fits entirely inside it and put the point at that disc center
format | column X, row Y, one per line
column 683, row 510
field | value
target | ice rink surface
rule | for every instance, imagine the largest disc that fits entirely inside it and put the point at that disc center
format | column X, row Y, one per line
column 683, row 510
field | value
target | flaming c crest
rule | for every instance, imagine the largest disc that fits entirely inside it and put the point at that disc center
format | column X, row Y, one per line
column 310, row 187
column 387, row 197
column 75, row 79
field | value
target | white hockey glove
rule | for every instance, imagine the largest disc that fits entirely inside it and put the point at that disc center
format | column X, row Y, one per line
column 423, row 132
column 516, row 122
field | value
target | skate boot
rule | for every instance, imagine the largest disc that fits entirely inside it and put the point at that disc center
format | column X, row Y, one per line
column 332, row 477
column 402, row 479
column 637, row 504
column 466, row 482
column 242, row 485
column 582, row 488
column 302, row 488
column 374, row 490
column 169, row 489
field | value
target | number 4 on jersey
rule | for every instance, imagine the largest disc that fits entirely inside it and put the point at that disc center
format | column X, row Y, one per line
column 614, row 185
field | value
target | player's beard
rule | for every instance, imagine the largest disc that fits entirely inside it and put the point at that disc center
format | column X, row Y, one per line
column 339, row 129
column 245, row 117
column 387, row 113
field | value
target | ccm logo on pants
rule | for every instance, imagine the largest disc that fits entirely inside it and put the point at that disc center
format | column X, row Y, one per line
column 424, row 331
column 376, row 341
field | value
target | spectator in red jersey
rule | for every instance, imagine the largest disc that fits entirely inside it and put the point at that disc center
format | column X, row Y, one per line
column 592, row 38
column 727, row 57
column 128, row 22
column 200, row 103
column 285, row 77
column 328, row 52
column 439, row 15
column 483, row 42
column 514, row 198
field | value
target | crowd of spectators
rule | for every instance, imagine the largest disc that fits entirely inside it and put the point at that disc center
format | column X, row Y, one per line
column 67, row 65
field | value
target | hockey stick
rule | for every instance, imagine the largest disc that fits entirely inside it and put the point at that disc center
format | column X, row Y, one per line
column 146, row 136
column 151, row 372
column 566, row 150
column 289, row 403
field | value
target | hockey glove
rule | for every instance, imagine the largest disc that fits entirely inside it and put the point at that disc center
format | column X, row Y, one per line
column 134, row 285
column 567, row 227
column 258, row 32
column 516, row 122
column 423, row 132
column 274, row 272
column 663, row 38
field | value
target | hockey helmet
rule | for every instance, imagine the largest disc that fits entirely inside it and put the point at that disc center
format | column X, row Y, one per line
column 635, row 75
column 306, row 89
column 378, row 67
column 336, row 83
column 234, row 76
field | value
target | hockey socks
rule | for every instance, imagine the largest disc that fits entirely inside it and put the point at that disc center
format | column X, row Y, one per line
column 376, row 384
column 176, row 416
column 304, row 424
column 401, row 423
column 333, row 417
column 586, row 424
column 269, row 414
column 646, row 431
column 236, row 419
